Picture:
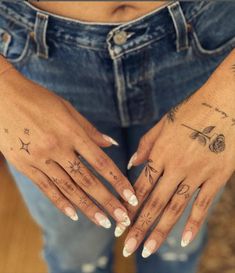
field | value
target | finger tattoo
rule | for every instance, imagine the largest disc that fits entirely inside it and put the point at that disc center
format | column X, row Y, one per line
column 149, row 170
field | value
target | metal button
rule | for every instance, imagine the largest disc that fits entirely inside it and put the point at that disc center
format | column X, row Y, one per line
column 120, row 37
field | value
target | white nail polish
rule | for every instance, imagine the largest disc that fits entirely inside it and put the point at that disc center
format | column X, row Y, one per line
column 146, row 253
column 122, row 217
column 130, row 197
column 118, row 231
column 133, row 158
column 187, row 237
column 125, row 252
column 102, row 220
column 71, row 213
column 111, row 140
column 149, row 248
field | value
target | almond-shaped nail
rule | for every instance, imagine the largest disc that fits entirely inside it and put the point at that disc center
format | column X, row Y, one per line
column 129, row 247
column 148, row 248
column 122, row 217
column 111, row 140
column 130, row 197
column 119, row 231
column 71, row 213
column 131, row 161
column 102, row 220
column 186, row 239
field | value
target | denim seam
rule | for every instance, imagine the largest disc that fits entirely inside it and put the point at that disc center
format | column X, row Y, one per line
column 11, row 15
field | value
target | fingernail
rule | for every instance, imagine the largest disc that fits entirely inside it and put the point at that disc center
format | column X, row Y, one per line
column 111, row 140
column 70, row 212
column 148, row 248
column 130, row 197
column 118, row 231
column 129, row 247
column 102, row 220
column 133, row 158
column 187, row 237
column 122, row 217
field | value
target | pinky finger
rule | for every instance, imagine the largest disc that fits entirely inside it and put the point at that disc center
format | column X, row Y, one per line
column 54, row 194
column 198, row 213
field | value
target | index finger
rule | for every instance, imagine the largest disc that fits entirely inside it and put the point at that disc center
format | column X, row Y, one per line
column 104, row 165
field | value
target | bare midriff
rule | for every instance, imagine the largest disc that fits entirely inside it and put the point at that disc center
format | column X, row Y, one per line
column 114, row 12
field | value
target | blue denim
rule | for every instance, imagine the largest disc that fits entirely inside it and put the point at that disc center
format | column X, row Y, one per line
column 123, row 86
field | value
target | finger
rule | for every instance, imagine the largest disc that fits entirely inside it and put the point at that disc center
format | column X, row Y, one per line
column 199, row 211
column 146, row 181
column 103, row 164
column 53, row 193
column 75, row 195
column 145, row 145
column 170, row 216
column 154, row 206
column 91, row 186
column 100, row 139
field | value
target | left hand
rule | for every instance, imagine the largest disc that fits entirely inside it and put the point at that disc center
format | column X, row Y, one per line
column 191, row 148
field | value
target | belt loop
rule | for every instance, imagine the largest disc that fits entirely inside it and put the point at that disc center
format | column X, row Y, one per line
column 180, row 25
column 40, row 29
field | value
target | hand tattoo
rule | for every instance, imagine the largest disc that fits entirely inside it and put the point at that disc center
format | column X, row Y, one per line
column 216, row 141
column 24, row 146
column 222, row 113
column 149, row 170
column 75, row 167
column 26, row 131
column 6, row 131
column 183, row 189
column 145, row 219
column 171, row 115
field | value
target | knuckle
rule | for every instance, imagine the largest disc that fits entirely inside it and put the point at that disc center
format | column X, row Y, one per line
column 176, row 207
column 160, row 233
column 157, row 204
column 203, row 203
column 87, row 181
column 195, row 222
column 64, row 185
column 102, row 163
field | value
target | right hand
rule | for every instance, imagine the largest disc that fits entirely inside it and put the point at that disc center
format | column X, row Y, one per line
column 44, row 137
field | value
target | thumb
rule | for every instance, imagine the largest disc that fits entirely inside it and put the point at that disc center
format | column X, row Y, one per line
column 145, row 145
column 100, row 139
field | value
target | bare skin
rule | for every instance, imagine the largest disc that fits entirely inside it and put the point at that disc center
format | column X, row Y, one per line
column 47, row 146
column 116, row 11
column 191, row 149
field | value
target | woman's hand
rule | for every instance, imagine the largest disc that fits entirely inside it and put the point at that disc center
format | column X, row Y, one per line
column 192, row 148
column 45, row 138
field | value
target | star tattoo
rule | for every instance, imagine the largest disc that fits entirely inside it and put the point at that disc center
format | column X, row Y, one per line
column 24, row 146
column 75, row 167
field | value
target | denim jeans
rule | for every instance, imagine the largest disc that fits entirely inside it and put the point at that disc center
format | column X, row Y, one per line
column 123, row 77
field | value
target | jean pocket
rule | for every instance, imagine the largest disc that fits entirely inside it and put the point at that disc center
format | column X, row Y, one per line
column 213, row 32
column 14, row 40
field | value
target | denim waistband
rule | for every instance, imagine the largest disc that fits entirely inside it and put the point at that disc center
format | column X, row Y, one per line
column 169, row 18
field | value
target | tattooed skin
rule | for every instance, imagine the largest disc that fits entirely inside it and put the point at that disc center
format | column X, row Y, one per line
column 5, row 130
column 149, row 170
column 233, row 68
column 171, row 115
column 183, row 189
column 75, row 167
column 24, row 146
column 216, row 141
column 145, row 219
column 222, row 113
column 26, row 131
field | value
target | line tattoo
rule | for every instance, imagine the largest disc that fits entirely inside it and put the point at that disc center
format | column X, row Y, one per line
column 216, row 141
column 222, row 113
column 183, row 189
column 26, row 131
column 75, row 167
column 233, row 68
column 6, row 130
column 24, row 146
column 145, row 219
column 171, row 115
column 149, row 170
